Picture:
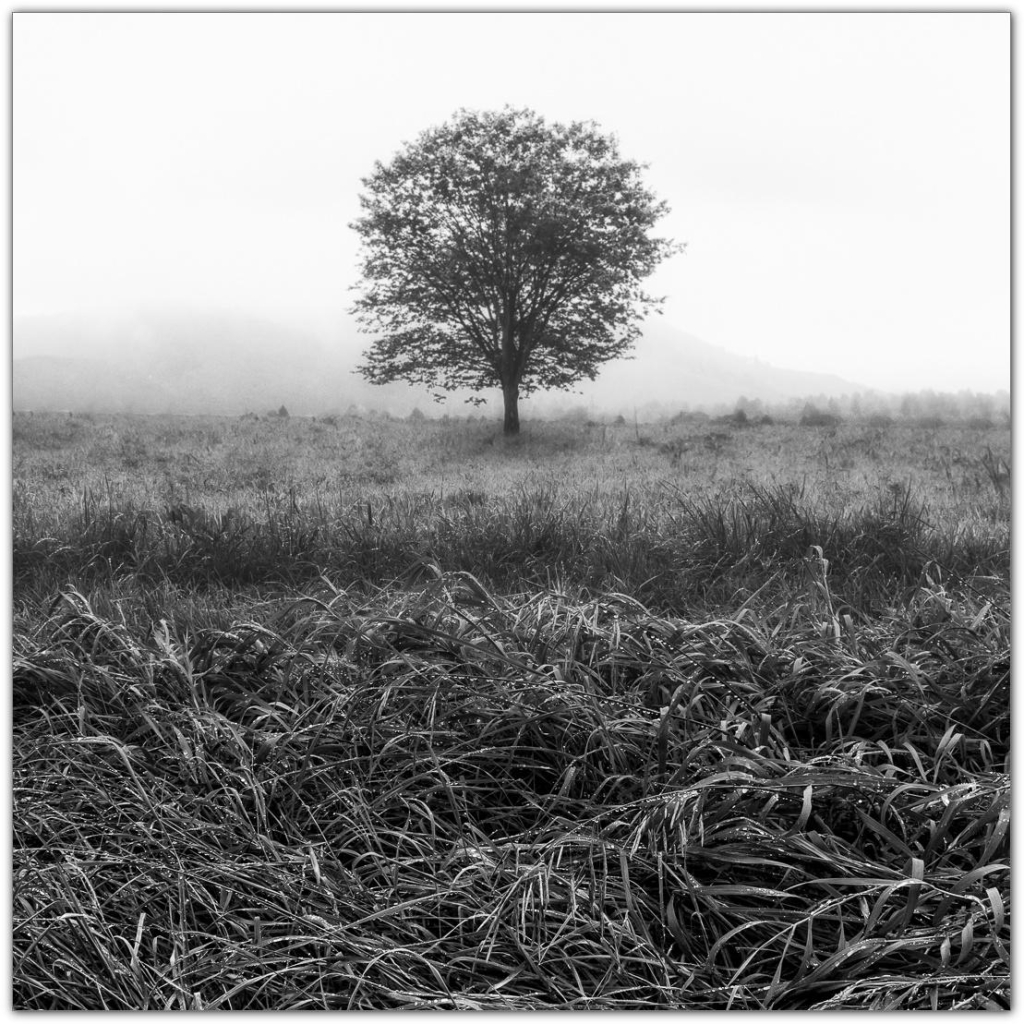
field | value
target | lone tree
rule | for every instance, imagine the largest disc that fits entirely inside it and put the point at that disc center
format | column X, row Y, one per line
column 499, row 250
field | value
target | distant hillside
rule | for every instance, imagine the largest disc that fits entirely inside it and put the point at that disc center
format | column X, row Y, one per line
column 155, row 361
column 195, row 362
column 672, row 369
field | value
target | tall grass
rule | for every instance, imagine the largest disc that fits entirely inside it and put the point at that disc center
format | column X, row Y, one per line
column 462, row 801
column 593, row 506
column 560, row 725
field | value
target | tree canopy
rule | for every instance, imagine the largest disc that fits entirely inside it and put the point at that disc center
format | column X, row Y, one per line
column 500, row 250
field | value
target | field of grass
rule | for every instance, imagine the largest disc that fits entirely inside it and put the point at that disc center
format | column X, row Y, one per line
column 376, row 714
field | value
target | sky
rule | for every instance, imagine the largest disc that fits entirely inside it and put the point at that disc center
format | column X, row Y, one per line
column 841, row 181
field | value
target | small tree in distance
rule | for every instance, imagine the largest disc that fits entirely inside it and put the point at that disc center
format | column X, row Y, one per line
column 499, row 250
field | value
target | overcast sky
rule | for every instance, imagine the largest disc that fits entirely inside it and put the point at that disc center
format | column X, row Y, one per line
column 842, row 181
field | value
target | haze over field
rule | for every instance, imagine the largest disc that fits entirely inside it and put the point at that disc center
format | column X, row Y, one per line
column 193, row 362
column 842, row 183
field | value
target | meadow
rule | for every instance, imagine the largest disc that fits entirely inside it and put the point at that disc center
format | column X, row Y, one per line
column 375, row 714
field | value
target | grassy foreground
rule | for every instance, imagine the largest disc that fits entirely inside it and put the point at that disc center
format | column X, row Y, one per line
column 389, row 715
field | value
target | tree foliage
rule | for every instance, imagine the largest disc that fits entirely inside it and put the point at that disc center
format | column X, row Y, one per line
column 501, row 250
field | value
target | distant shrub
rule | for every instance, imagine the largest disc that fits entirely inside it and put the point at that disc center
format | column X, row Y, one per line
column 879, row 419
column 980, row 423
column 690, row 417
column 929, row 422
column 416, row 416
column 283, row 413
column 815, row 417
column 738, row 418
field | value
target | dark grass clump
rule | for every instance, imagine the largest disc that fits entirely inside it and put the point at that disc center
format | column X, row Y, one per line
column 438, row 797
column 677, row 553
column 689, row 521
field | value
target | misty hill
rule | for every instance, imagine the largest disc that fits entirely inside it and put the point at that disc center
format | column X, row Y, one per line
column 672, row 369
column 181, row 362
column 210, row 362
column 187, row 362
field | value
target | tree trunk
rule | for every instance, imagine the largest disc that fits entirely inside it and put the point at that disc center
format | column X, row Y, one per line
column 511, row 394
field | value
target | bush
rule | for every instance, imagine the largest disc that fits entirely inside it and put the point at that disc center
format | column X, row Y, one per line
column 815, row 417
column 689, row 417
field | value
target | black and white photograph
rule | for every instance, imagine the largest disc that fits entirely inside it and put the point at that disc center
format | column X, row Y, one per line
column 510, row 509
